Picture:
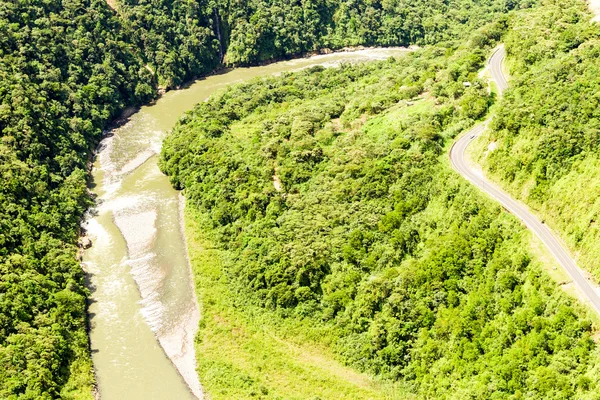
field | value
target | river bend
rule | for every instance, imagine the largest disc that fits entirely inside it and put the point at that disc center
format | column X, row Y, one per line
column 143, row 312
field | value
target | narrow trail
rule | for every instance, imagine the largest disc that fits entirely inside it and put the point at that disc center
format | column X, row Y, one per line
column 459, row 162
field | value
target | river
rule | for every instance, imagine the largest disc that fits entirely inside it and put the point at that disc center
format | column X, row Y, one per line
column 143, row 310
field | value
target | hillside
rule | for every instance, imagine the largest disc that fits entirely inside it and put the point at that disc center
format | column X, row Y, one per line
column 546, row 129
column 323, row 210
column 181, row 40
column 67, row 69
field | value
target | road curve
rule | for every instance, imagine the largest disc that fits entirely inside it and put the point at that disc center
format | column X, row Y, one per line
column 460, row 164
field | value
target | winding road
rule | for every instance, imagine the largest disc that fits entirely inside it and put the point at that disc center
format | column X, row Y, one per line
column 459, row 162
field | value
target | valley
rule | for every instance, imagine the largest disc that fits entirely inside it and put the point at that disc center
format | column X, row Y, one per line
column 191, row 207
column 138, row 222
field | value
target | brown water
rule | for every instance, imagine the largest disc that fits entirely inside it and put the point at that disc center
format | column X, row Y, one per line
column 144, row 313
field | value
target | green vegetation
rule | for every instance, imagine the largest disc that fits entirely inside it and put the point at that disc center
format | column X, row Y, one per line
column 262, row 30
column 177, row 39
column 245, row 354
column 371, row 250
column 65, row 70
column 181, row 40
column 547, row 127
column 324, row 214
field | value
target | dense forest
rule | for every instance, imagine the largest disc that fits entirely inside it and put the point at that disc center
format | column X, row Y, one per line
column 180, row 40
column 66, row 69
column 370, row 237
column 258, row 30
column 325, row 197
column 547, row 130
column 177, row 40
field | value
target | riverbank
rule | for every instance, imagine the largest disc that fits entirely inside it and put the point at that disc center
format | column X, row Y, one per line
column 319, row 52
column 140, row 279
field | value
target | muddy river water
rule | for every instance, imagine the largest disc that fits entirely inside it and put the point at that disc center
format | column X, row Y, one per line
column 144, row 314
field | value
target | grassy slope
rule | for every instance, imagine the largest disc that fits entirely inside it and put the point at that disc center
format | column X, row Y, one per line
column 252, row 353
column 244, row 354
column 569, row 201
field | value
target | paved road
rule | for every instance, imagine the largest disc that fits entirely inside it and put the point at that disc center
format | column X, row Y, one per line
column 459, row 162
column 495, row 64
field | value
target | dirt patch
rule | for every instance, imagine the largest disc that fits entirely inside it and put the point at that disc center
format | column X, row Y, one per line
column 277, row 183
column 594, row 6
column 336, row 125
column 490, row 149
column 358, row 123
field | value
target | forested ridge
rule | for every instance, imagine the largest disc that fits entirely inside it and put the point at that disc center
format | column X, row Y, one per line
column 258, row 30
column 179, row 40
column 66, row 69
column 324, row 198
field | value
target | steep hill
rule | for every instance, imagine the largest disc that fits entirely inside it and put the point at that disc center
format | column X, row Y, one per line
column 324, row 211
column 546, row 130
column 181, row 40
column 65, row 71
